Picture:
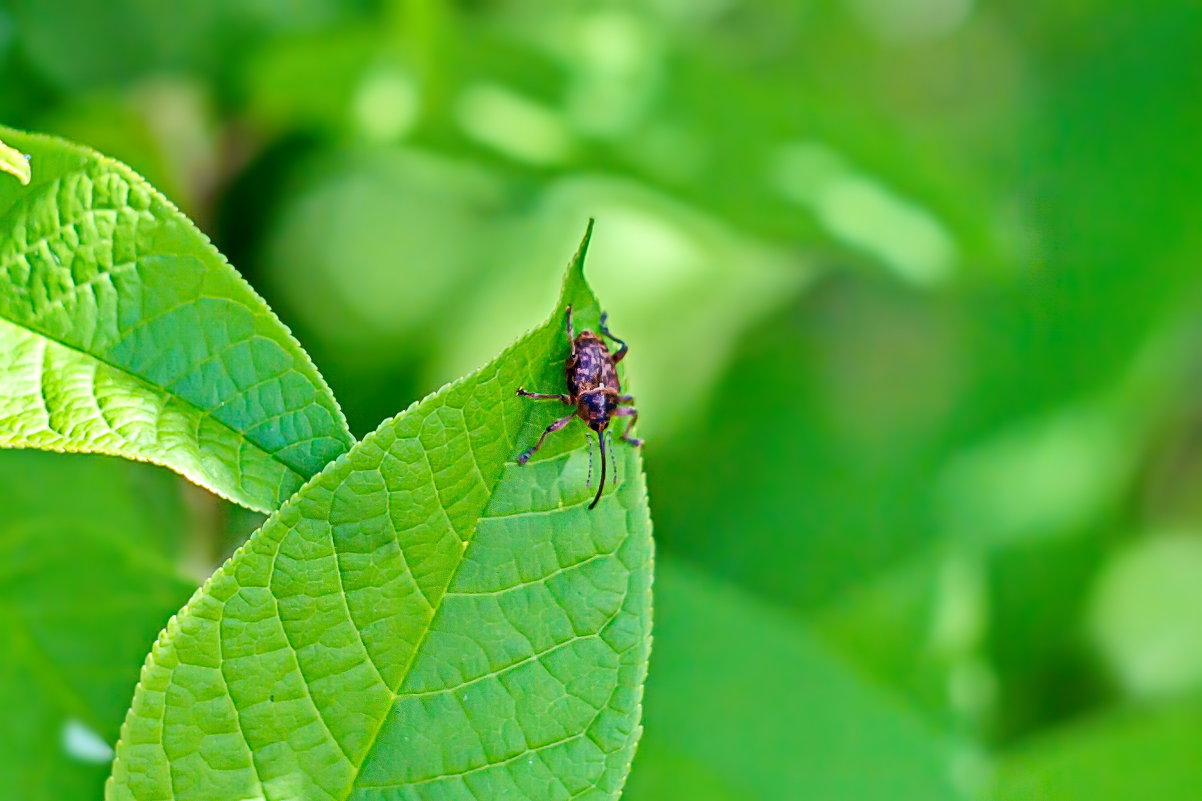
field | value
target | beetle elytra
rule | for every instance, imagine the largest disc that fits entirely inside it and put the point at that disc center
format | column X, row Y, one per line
column 593, row 388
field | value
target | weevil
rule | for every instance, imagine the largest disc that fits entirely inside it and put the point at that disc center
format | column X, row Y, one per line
column 593, row 388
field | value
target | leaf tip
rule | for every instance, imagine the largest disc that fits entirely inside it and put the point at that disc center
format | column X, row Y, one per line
column 576, row 291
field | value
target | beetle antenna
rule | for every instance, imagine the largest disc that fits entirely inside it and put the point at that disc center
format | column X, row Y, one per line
column 601, row 485
column 613, row 440
column 589, row 482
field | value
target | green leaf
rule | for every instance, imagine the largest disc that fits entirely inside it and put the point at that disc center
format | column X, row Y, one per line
column 14, row 162
column 86, row 579
column 426, row 619
column 123, row 331
column 744, row 693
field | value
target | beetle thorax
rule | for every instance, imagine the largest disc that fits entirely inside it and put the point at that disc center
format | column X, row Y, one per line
column 596, row 407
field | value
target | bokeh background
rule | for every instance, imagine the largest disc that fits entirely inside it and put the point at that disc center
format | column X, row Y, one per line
column 915, row 303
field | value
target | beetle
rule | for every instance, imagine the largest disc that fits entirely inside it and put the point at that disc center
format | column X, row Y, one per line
column 593, row 388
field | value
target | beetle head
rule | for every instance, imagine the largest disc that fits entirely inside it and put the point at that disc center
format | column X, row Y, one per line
column 597, row 407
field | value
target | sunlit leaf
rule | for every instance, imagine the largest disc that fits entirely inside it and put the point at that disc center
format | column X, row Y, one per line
column 123, row 331
column 425, row 620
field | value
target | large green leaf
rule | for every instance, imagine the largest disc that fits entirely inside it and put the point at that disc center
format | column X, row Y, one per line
column 87, row 576
column 123, row 331
column 426, row 619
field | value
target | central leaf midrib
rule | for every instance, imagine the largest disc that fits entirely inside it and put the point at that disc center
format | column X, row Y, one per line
column 396, row 693
column 246, row 435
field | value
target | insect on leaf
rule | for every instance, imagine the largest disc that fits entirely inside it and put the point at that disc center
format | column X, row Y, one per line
column 426, row 619
column 123, row 331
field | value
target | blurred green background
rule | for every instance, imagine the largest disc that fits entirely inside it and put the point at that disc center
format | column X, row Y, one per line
column 913, row 295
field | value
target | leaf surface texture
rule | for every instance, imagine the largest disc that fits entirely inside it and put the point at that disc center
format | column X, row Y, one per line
column 123, row 331
column 425, row 620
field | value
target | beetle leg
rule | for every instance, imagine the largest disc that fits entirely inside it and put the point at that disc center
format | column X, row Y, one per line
column 633, row 414
column 558, row 424
column 544, row 396
column 626, row 399
column 571, row 330
column 621, row 354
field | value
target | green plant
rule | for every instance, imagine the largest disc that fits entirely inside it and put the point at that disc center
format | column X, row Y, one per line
column 419, row 613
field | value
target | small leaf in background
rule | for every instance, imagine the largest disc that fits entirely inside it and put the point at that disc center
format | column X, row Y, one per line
column 16, row 163
column 123, row 331
column 88, row 547
column 425, row 619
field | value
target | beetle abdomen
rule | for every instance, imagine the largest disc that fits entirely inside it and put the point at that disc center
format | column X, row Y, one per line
column 592, row 367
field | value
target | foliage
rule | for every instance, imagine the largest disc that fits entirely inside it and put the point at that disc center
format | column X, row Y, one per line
column 423, row 582
column 425, row 616
column 912, row 294
column 123, row 331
